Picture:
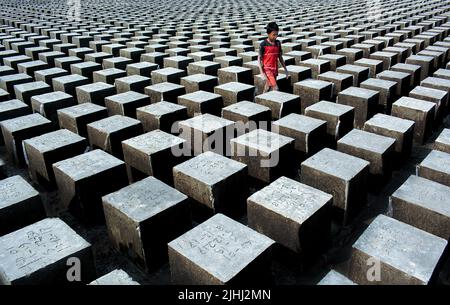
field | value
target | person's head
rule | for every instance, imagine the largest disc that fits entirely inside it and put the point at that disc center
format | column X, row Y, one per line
column 272, row 31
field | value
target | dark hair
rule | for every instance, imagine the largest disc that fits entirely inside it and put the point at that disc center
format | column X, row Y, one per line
column 272, row 26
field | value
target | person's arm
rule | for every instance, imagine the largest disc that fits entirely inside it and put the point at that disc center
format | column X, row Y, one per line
column 260, row 61
column 261, row 65
column 280, row 58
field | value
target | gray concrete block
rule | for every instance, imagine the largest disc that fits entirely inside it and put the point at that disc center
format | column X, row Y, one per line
column 39, row 253
column 243, row 254
column 75, row 177
column 342, row 175
column 143, row 217
column 405, row 254
column 161, row 115
column 293, row 214
column 108, row 133
column 76, row 118
column 153, row 154
column 43, row 151
column 126, row 103
column 20, row 204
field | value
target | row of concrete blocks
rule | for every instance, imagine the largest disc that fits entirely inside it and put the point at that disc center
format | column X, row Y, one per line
column 275, row 101
column 322, row 120
column 275, row 106
column 140, row 141
column 196, row 82
column 66, row 61
column 386, row 56
column 414, row 204
column 203, row 63
column 125, row 103
column 217, row 166
column 293, row 214
column 227, row 25
column 68, row 27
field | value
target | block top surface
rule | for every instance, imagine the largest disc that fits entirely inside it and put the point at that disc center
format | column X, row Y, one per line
column 31, row 86
column 168, row 71
column 86, row 64
column 205, row 63
column 444, row 136
column 390, row 122
column 404, row 247
column 368, row 141
column 359, row 92
column 97, row 86
column 329, row 108
column 291, row 199
column 200, row 96
column 413, row 103
column 11, row 105
column 384, row 54
column 335, row 75
column 425, row 91
column 336, row 163
column 53, row 140
column 37, row 246
column 380, row 83
column 352, row 68
column 144, row 199
column 313, row 83
column 235, row 246
column 437, row 160
column 127, row 97
column 161, row 108
column 132, row 79
column 114, row 123
column 115, row 277
column 209, row 167
column 179, row 58
column 263, row 140
column 368, row 61
column 198, row 77
column 51, row 71
column 206, row 123
column 15, row 189
column 234, row 86
column 299, row 122
column 164, row 87
column 234, row 69
column 313, row 61
column 14, row 77
column 110, row 71
column 436, row 81
column 70, row 78
column 425, row 193
column 24, row 122
column 154, row 141
column 81, row 109
column 246, row 108
column 277, row 96
column 87, row 164
column 393, row 74
column 420, row 58
column 406, row 67
column 51, row 97
column 335, row 278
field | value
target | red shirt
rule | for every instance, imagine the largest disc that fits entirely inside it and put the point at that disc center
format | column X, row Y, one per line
column 269, row 54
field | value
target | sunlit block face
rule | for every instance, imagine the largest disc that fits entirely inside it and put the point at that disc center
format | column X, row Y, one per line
column 273, row 36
